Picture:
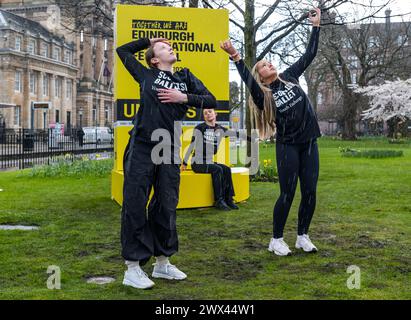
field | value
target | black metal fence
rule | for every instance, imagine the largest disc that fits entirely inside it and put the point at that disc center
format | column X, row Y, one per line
column 24, row 148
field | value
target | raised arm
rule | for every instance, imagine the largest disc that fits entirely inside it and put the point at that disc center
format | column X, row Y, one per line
column 256, row 92
column 127, row 51
column 297, row 68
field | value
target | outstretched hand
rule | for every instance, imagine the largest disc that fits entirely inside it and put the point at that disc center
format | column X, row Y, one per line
column 315, row 17
column 228, row 47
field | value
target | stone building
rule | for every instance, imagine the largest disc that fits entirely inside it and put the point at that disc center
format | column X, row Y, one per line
column 78, row 64
column 38, row 75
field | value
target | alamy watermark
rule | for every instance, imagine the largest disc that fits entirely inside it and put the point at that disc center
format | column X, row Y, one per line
column 354, row 280
column 167, row 150
column 54, row 280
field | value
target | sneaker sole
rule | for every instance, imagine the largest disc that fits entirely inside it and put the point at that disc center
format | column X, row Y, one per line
column 311, row 251
column 164, row 276
column 279, row 253
column 132, row 284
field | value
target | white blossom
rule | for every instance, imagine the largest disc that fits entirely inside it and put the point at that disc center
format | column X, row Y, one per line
column 388, row 100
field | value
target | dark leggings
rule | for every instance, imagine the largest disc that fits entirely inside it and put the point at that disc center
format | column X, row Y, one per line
column 296, row 161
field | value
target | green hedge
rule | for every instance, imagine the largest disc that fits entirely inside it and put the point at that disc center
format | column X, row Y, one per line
column 373, row 154
column 397, row 141
column 65, row 167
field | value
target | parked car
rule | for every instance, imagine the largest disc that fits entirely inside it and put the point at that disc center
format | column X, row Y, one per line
column 97, row 135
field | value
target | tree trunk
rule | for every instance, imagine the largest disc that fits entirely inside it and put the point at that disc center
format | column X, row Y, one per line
column 250, row 52
column 193, row 4
column 350, row 114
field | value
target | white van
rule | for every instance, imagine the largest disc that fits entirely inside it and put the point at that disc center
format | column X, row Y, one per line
column 99, row 135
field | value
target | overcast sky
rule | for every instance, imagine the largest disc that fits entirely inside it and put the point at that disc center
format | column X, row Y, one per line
column 398, row 7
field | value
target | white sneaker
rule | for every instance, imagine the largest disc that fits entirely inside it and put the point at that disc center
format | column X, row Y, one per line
column 279, row 247
column 137, row 278
column 167, row 271
column 304, row 242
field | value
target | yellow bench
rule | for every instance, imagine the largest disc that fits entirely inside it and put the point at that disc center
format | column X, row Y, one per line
column 196, row 189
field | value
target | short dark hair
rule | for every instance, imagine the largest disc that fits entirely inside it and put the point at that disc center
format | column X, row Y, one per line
column 150, row 55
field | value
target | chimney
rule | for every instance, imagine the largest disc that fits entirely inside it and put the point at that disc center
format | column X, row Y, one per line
column 387, row 18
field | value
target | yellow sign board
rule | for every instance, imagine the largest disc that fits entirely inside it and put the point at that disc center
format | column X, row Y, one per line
column 194, row 35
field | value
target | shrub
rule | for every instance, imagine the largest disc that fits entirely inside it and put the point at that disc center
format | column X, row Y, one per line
column 64, row 167
column 398, row 141
column 373, row 154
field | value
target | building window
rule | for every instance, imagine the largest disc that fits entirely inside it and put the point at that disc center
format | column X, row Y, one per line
column 67, row 57
column 353, row 61
column 18, row 42
column 345, row 43
column 57, row 87
column 17, row 82
column 106, row 113
column 373, row 41
column 69, row 89
column 45, row 50
column 33, row 82
column 45, row 85
column 68, row 119
column 44, row 119
column 94, row 115
column 353, row 78
column 57, row 54
column 32, row 46
column 402, row 40
column 57, row 116
column 17, row 115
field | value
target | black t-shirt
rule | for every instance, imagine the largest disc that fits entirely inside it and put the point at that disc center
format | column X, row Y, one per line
column 153, row 114
column 296, row 120
column 205, row 142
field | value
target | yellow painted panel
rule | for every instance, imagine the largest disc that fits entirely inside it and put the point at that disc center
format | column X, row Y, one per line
column 196, row 190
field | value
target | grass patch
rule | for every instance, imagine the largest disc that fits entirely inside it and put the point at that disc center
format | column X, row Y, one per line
column 362, row 218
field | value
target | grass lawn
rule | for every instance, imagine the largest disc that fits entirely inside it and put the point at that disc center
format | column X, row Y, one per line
column 363, row 218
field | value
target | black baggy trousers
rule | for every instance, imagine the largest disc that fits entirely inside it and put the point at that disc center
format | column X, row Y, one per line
column 151, row 231
column 221, row 177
